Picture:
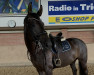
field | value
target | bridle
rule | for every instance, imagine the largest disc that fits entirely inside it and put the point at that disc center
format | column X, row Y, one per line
column 36, row 40
column 33, row 19
column 33, row 32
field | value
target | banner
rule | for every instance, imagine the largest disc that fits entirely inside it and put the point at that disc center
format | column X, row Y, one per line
column 70, row 7
column 71, row 19
column 71, row 12
column 17, row 6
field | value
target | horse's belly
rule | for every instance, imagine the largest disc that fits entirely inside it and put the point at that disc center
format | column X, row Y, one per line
column 66, row 62
column 67, row 59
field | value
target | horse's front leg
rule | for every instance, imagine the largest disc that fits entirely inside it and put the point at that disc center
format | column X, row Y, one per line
column 41, row 73
column 48, row 65
column 48, row 71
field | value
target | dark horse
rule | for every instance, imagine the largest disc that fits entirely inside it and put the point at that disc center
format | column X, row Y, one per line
column 37, row 41
column 78, row 51
column 39, row 46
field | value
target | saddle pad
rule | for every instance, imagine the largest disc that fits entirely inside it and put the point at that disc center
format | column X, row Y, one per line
column 66, row 46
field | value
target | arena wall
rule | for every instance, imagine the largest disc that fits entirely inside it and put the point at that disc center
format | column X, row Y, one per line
column 13, row 51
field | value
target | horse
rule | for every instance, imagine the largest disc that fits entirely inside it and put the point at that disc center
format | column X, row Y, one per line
column 39, row 46
column 78, row 51
column 38, row 42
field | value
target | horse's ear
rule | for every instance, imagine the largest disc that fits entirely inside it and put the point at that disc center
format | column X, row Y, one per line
column 30, row 8
column 59, row 34
column 40, row 11
column 51, row 36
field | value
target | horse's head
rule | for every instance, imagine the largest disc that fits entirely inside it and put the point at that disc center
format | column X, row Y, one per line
column 33, row 23
column 56, row 41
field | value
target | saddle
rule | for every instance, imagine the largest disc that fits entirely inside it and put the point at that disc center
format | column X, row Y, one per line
column 65, row 47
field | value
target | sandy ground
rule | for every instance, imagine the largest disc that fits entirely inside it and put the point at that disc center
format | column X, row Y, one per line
column 17, row 56
column 30, row 70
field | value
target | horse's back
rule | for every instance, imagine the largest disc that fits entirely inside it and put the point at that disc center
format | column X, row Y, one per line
column 79, row 45
column 76, row 41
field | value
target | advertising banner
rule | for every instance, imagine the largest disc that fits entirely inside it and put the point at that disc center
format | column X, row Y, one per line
column 17, row 6
column 13, row 12
column 71, row 12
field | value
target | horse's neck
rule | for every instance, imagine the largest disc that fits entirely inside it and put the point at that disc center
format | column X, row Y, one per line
column 31, row 39
column 44, row 38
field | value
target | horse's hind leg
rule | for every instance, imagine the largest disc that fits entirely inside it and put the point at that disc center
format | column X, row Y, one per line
column 83, row 60
column 83, row 68
column 74, row 70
